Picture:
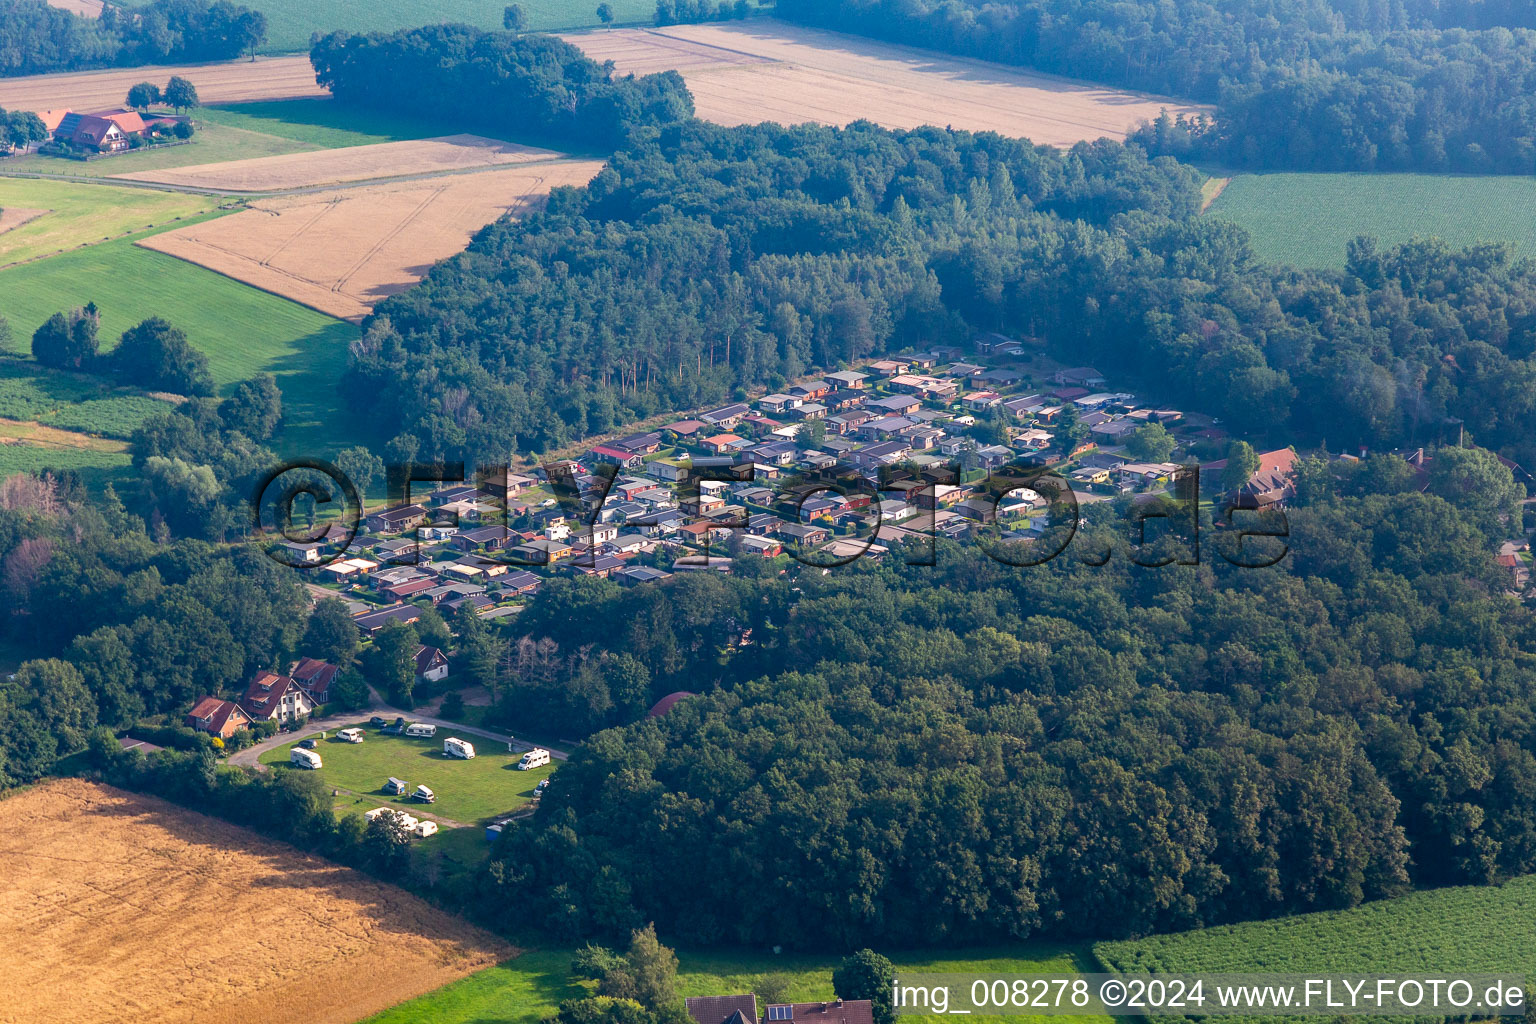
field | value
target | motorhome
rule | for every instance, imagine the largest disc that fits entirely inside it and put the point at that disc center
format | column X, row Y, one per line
column 421, row 729
column 396, row 787
column 301, row 758
column 538, row 757
column 424, row 794
column 350, row 735
column 455, row 747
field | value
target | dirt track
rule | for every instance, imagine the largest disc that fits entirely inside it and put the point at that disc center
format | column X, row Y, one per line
column 268, row 78
column 342, row 251
column 129, row 908
column 765, row 70
column 353, row 163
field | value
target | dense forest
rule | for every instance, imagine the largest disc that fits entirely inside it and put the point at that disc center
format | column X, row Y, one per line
column 906, row 754
column 706, row 260
column 36, row 37
column 1302, row 84
column 529, row 87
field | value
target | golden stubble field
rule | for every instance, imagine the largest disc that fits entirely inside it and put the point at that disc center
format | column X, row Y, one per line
column 341, row 251
column 120, row 907
column 765, row 70
column 266, row 78
column 353, row 163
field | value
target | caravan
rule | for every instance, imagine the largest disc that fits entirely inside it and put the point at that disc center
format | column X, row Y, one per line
column 421, row 729
column 455, row 747
column 538, row 757
column 301, row 758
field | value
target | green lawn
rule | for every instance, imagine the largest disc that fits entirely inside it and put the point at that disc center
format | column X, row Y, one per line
column 81, row 214
column 95, row 467
column 1447, row 931
column 242, row 330
column 524, row 990
column 468, row 791
column 1306, row 219
column 319, row 123
column 290, row 22
column 71, row 401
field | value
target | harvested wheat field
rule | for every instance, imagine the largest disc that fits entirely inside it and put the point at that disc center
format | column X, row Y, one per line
column 354, row 163
column 266, row 78
column 129, row 908
column 342, row 251
column 765, row 70
column 85, row 8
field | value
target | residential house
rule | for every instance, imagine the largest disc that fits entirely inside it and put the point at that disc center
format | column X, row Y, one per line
column 927, row 387
column 685, row 428
column 489, row 538
column 978, row 400
column 640, row 574
column 641, row 444
column 398, row 519
column 1271, row 484
column 805, row 534
column 726, row 416
column 898, row 404
column 722, row 1009
column 316, row 677
column 889, row 367
column 372, row 622
column 845, row 379
column 271, row 697
column 618, row 457
column 221, row 718
column 431, row 664
column 778, row 403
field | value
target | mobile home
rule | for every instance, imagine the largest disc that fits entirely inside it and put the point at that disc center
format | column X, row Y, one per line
column 421, row 729
column 301, row 758
column 538, row 757
column 455, row 747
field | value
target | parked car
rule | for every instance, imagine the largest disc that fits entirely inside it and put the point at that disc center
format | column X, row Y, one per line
column 350, row 735
column 308, row 744
column 394, row 729
column 377, row 722
column 542, row 786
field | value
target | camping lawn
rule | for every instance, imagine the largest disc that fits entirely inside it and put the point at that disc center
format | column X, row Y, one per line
column 243, row 331
column 483, row 787
column 531, row 987
column 290, row 22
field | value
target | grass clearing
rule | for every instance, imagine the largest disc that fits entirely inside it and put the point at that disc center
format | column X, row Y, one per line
column 243, row 331
column 80, row 214
column 322, row 123
column 212, row 143
column 1449, row 932
column 469, row 791
column 531, row 987
column 72, row 401
column 1307, row 219
column 290, row 22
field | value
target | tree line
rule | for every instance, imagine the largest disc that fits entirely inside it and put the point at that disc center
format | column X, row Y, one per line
column 36, row 37
column 1300, row 84
column 154, row 354
column 502, row 84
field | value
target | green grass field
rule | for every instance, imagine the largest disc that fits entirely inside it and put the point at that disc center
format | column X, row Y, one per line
column 213, row 143
column 95, row 467
column 290, row 22
column 318, row 123
column 81, row 214
column 524, row 990
column 467, row 791
column 71, row 401
column 1472, row 929
column 1307, row 219
column 242, row 330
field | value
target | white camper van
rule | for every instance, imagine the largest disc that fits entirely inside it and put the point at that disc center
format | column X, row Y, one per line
column 538, row 757
column 424, row 829
column 301, row 758
column 350, row 735
column 455, row 747
column 425, row 795
column 421, row 729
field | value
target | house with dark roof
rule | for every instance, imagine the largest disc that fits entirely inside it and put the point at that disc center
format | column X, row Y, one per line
column 431, row 664
column 372, row 622
column 221, row 718
column 271, row 697
column 713, row 1009
column 316, row 677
